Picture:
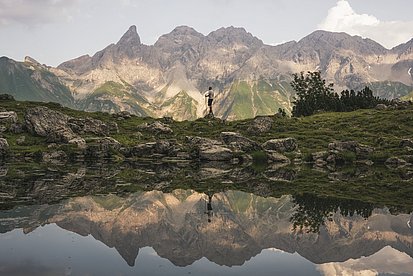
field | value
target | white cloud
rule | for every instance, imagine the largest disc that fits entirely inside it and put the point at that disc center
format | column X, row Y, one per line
column 342, row 18
column 385, row 261
column 30, row 12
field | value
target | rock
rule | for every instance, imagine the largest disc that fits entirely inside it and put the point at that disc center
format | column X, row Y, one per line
column 353, row 146
column 8, row 117
column 381, row 107
column 277, row 158
column 49, row 123
column 406, row 143
column 260, row 125
column 105, row 144
column 281, row 145
column 88, row 125
column 238, row 142
column 156, row 128
column 80, row 142
column 395, row 162
column 215, row 153
column 123, row 115
column 4, row 147
column 56, row 157
column 208, row 149
column 198, row 141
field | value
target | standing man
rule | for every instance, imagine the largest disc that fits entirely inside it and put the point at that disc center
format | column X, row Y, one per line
column 210, row 95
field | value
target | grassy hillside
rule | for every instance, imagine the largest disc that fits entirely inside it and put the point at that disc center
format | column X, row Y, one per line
column 113, row 97
column 26, row 82
column 249, row 99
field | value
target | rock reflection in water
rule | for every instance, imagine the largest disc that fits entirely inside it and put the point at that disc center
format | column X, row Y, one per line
column 227, row 228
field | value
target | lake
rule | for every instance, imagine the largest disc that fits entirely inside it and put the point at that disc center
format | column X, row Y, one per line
column 186, row 219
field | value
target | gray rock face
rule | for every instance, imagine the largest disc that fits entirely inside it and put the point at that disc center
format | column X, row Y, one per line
column 215, row 153
column 4, row 147
column 209, row 149
column 49, row 123
column 8, row 117
column 281, row 145
column 260, row 125
column 238, row 142
column 60, row 128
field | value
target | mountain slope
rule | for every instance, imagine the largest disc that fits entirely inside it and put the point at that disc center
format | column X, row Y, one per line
column 31, row 81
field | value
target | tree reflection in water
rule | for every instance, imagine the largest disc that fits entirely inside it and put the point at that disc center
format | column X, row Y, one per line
column 312, row 211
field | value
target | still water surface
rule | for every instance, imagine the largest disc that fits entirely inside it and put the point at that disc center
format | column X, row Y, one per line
column 54, row 223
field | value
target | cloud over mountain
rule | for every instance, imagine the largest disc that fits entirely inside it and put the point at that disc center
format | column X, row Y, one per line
column 342, row 18
column 29, row 12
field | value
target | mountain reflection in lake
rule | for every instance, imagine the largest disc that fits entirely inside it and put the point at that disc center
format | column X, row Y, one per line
column 111, row 220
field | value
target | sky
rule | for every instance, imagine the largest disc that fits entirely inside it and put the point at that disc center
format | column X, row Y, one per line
column 54, row 31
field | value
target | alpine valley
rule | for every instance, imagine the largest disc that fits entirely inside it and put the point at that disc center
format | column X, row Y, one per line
column 168, row 78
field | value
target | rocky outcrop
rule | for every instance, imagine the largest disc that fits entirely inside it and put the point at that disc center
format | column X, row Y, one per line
column 260, row 125
column 359, row 149
column 49, row 123
column 209, row 149
column 61, row 128
column 239, row 142
column 281, row 145
column 8, row 117
column 406, row 143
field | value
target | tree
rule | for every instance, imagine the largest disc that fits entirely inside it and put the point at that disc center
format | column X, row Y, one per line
column 312, row 94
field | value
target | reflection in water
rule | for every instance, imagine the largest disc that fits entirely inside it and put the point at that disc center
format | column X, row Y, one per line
column 239, row 226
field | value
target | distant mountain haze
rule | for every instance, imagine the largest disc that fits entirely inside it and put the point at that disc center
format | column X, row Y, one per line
column 168, row 78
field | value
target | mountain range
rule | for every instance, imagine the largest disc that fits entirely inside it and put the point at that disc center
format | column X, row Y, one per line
column 168, row 78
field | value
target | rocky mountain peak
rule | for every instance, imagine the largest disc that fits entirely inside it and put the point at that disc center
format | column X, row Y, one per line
column 179, row 36
column 232, row 35
column 324, row 40
column 31, row 60
column 130, row 38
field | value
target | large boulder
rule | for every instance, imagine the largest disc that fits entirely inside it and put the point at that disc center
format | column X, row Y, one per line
column 49, row 123
column 209, row 149
column 215, row 153
column 281, row 145
column 239, row 142
column 8, row 117
column 260, row 125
